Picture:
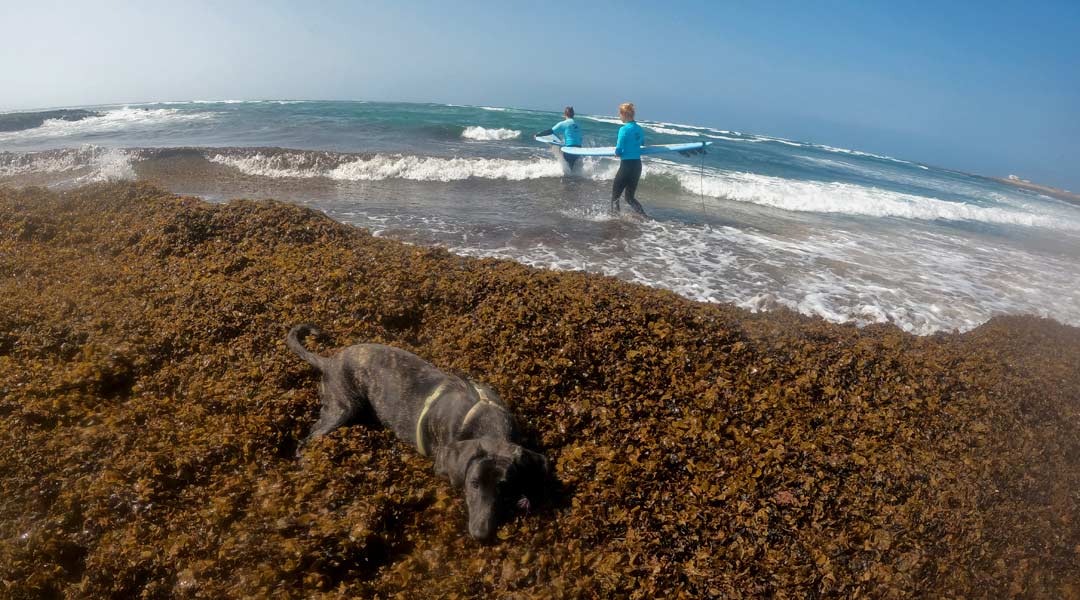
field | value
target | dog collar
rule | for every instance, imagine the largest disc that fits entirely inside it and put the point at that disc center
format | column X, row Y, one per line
column 430, row 400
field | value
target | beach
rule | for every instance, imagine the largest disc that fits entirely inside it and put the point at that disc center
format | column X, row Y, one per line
column 760, row 221
column 150, row 415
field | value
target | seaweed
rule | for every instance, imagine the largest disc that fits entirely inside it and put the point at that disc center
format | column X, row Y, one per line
column 149, row 414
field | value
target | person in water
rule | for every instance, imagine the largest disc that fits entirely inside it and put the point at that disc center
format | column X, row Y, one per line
column 628, row 149
column 570, row 133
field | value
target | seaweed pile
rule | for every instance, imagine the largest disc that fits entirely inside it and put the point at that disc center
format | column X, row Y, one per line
column 150, row 414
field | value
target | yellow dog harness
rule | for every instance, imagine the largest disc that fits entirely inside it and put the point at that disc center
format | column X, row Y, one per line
column 482, row 398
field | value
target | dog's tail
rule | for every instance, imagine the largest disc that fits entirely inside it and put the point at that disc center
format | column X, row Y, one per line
column 295, row 343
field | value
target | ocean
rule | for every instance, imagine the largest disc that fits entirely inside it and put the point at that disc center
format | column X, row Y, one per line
column 760, row 222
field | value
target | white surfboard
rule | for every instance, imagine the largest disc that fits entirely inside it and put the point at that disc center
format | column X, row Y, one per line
column 610, row 150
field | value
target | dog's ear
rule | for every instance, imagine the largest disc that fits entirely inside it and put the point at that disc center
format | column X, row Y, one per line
column 533, row 464
column 452, row 460
column 485, row 392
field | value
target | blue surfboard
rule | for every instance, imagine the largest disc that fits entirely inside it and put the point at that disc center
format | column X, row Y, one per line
column 610, row 150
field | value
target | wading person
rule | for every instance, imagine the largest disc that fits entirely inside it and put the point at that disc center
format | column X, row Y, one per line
column 628, row 149
column 570, row 133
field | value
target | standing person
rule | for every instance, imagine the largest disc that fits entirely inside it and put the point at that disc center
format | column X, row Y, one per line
column 628, row 149
column 570, row 133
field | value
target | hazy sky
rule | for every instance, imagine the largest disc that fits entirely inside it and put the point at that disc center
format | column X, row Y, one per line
column 987, row 87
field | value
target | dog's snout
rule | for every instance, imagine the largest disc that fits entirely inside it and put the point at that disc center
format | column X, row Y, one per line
column 482, row 523
column 482, row 533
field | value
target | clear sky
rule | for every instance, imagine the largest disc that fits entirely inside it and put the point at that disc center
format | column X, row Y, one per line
column 988, row 87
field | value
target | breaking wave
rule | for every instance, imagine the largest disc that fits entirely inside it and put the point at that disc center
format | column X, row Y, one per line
column 91, row 163
column 86, row 164
column 385, row 166
column 845, row 198
column 485, row 135
column 111, row 121
column 20, row 121
column 668, row 130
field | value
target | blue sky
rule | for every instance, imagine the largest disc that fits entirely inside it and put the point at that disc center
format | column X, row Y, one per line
column 987, row 87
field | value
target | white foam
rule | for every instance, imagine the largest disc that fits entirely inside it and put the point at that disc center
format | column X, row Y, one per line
column 111, row 164
column 113, row 120
column 960, row 184
column 99, row 164
column 612, row 120
column 861, row 153
column 484, row 134
column 444, row 169
column 668, row 130
column 658, row 127
column 188, row 102
column 765, row 138
column 919, row 281
column 693, row 128
column 826, row 148
column 385, row 166
column 828, row 162
column 593, row 213
column 765, row 190
column 684, row 126
column 845, row 198
column 15, row 164
column 732, row 139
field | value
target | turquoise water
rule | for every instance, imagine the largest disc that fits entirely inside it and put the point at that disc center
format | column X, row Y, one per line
column 760, row 221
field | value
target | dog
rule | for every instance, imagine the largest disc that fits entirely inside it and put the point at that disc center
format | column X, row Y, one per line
column 462, row 424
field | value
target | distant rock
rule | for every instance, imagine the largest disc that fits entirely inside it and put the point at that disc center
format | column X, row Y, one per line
column 1065, row 195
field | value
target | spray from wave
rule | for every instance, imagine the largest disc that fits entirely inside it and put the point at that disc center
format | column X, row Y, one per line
column 484, row 134
column 86, row 164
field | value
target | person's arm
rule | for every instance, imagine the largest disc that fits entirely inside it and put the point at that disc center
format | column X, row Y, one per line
column 556, row 130
column 620, row 144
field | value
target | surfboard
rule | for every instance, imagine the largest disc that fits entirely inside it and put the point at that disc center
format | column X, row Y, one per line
column 610, row 150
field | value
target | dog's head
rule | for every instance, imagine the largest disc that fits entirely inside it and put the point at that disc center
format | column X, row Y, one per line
column 495, row 475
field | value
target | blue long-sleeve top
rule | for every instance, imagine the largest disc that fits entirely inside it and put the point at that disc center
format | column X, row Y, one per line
column 631, row 139
column 569, row 131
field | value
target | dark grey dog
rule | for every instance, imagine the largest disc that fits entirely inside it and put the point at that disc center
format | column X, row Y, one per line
column 461, row 423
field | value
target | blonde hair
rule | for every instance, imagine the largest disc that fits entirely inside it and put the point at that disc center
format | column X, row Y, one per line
column 627, row 108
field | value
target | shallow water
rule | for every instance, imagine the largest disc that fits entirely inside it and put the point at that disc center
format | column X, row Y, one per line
column 759, row 222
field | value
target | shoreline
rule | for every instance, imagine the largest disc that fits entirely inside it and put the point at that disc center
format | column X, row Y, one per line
column 817, row 272
column 702, row 450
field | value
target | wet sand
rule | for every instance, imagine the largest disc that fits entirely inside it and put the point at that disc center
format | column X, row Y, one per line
column 149, row 416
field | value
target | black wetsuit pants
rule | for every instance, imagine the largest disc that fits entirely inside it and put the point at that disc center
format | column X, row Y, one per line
column 626, row 180
column 571, row 159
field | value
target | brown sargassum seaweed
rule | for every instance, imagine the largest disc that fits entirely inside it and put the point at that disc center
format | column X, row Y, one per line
column 149, row 415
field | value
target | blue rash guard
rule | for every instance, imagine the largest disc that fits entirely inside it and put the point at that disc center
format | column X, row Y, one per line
column 569, row 131
column 631, row 139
